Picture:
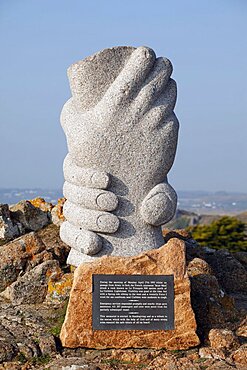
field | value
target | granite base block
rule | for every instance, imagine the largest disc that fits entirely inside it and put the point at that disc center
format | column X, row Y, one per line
column 170, row 259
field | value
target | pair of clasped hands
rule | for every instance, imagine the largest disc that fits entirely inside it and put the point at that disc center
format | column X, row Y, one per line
column 142, row 94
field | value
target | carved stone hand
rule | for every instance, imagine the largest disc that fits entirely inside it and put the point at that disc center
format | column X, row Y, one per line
column 122, row 137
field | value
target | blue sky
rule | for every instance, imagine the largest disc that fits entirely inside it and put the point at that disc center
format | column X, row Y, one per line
column 204, row 39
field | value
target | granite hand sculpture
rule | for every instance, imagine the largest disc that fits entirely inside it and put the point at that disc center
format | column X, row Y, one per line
column 122, row 136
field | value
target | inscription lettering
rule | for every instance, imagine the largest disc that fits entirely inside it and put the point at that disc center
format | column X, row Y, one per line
column 132, row 302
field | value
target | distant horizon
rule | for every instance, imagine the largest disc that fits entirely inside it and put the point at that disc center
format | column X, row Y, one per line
column 177, row 190
column 199, row 202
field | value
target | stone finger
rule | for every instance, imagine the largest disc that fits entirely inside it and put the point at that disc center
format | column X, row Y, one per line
column 83, row 241
column 90, row 198
column 163, row 107
column 153, row 86
column 98, row 221
column 67, row 115
column 129, row 79
column 85, row 177
column 168, row 133
column 159, row 206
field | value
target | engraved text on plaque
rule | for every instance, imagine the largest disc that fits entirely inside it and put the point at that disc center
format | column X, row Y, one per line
column 133, row 302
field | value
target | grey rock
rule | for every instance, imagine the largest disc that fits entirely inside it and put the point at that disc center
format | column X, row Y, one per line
column 208, row 352
column 20, row 335
column 47, row 344
column 229, row 271
column 8, row 348
column 198, row 267
column 209, row 299
column 17, row 256
column 32, row 287
column 241, row 257
column 32, row 218
column 7, row 351
column 24, row 253
column 8, row 229
column 49, row 236
column 122, row 136
column 25, row 329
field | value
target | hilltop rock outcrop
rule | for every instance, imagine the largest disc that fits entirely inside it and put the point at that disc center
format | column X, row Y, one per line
column 35, row 283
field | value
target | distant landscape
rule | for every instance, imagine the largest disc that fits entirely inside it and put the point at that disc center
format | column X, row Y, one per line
column 198, row 202
column 12, row 196
column 216, row 203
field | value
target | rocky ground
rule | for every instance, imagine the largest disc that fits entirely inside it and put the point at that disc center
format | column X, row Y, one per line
column 34, row 288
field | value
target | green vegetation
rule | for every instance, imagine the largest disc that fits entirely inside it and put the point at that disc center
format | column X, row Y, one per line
column 41, row 360
column 58, row 321
column 21, row 358
column 225, row 233
column 111, row 361
column 202, row 359
column 180, row 223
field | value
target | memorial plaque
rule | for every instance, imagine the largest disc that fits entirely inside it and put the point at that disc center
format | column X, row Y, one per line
column 133, row 302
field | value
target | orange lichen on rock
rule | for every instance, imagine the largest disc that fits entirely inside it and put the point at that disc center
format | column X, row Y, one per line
column 41, row 204
column 57, row 212
column 59, row 289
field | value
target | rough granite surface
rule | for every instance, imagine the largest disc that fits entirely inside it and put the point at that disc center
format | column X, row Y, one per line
column 122, row 136
column 170, row 259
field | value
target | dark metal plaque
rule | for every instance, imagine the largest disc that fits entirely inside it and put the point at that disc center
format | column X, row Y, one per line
column 133, row 302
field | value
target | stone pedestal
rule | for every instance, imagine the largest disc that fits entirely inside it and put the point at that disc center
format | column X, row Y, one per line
column 168, row 260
